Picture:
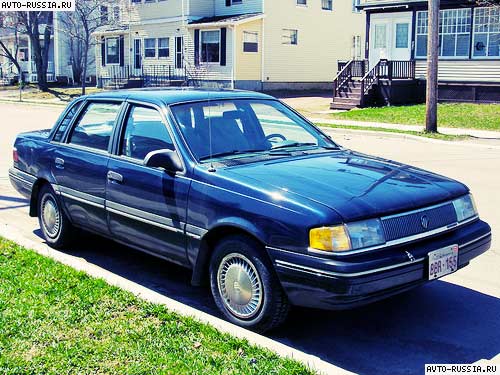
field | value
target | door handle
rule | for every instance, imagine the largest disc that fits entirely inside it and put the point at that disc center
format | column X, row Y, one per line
column 59, row 163
column 115, row 177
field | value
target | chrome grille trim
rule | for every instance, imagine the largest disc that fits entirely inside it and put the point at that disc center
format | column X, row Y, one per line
column 410, row 224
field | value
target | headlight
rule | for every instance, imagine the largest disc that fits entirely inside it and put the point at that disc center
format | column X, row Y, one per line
column 365, row 233
column 465, row 207
column 347, row 237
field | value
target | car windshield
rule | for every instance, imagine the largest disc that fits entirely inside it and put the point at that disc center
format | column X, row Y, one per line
column 225, row 128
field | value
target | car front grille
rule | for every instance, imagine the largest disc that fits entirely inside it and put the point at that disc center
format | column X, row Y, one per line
column 417, row 222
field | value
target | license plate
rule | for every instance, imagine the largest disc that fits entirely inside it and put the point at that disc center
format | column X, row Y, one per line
column 443, row 262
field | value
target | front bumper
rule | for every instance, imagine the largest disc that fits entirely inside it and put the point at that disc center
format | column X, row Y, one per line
column 346, row 282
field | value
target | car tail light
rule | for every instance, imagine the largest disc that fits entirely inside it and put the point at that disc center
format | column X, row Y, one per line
column 15, row 155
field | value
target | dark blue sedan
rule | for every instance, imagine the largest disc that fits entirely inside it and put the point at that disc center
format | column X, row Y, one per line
column 247, row 194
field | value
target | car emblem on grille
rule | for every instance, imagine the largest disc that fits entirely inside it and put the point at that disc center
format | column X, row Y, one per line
column 424, row 220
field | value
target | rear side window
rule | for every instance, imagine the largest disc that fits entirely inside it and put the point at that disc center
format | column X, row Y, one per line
column 65, row 122
column 95, row 126
column 144, row 132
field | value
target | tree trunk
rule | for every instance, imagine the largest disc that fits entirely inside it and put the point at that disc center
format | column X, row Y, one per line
column 432, row 67
column 84, row 68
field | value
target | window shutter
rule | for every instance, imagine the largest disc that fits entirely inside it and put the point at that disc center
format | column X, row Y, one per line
column 223, row 45
column 197, row 47
column 228, row 3
column 122, row 50
column 103, row 51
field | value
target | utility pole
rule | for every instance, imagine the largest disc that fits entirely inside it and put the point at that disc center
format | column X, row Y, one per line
column 432, row 67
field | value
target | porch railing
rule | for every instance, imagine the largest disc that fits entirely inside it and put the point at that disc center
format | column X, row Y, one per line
column 342, row 79
column 358, row 69
column 370, row 78
column 147, row 76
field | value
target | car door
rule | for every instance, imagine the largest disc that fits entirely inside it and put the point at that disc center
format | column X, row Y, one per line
column 146, row 206
column 80, row 164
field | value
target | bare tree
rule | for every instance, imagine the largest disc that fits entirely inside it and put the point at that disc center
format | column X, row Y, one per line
column 11, row 29
column 79, row 27
column 432, row 67
column 33, row 23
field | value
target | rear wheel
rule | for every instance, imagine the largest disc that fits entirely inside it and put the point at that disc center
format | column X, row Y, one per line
column 244, row 285
column 56, row 227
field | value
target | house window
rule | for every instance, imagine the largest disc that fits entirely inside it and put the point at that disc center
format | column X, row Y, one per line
column 23, row 54
column 210, row 46
column 112, row 51
column 163, row 47
column 454, row 33
column 150, row 47
column 355, row 4
column 250, row 41
column 356, row 47
column 402, row 35
column 327, row 4
column 136, row 1
column 104, row 14
column 290, row 36
column 302, row 2
column 487, row 32
column 235, row 2
column 116, row 14
column 380, row 36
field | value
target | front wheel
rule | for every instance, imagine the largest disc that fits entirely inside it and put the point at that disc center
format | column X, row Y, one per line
column 244, row 286
column 56, row 227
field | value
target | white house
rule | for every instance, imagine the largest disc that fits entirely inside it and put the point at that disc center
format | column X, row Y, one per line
column 250, row 44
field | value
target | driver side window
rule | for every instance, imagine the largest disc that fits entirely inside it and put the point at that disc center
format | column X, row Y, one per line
column 145, row 131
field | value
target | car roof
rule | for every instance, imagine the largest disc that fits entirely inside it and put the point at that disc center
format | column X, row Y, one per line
column 176, row 95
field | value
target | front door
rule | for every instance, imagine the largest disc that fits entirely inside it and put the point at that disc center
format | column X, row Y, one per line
column 146, row 206
column 137, row 54
column 390, row 37
column 401, row 39
column 80, row 165
column 179, row 53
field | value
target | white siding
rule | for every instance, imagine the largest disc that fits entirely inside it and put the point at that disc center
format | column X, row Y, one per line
column 463, row 71
column 203, row 8
column 247, row 6
column 324, row 37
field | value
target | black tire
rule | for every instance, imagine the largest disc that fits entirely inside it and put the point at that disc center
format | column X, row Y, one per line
column 60, row 232
column 271, row 307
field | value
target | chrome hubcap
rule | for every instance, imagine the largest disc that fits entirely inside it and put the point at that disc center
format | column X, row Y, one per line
column 239, row 286
column 51, row 219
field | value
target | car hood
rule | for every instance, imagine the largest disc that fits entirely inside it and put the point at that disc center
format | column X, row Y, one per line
column 355, row 185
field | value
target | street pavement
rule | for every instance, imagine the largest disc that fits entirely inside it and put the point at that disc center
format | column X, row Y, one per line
column 452, row 320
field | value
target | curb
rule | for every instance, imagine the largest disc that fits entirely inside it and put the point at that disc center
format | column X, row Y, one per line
column 80, row 264
column 478, row 133
column 28, row 101
column 377, row 133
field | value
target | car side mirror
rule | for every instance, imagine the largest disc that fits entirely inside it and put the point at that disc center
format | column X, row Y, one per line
column 166, row 159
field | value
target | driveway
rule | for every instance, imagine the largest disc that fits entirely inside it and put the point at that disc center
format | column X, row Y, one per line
column 453, row 320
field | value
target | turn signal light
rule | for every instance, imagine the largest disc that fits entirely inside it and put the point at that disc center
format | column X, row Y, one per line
column 329, row 239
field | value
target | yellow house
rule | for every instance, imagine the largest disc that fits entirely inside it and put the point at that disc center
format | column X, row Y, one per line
column 246, row 44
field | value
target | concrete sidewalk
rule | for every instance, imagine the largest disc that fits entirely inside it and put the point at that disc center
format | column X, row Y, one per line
column 484, row 134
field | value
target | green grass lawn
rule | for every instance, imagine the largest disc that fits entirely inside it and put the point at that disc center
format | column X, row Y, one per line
column 477, row 116
column 55, row 320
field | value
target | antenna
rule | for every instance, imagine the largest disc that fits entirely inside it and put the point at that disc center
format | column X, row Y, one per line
column 211, row 168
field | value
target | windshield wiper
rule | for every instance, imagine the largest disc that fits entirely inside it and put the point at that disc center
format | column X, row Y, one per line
column 293, row 144
column 229, row 153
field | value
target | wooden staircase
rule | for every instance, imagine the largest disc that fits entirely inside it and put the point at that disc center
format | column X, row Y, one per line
column 348, row 96
column 354, row 84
